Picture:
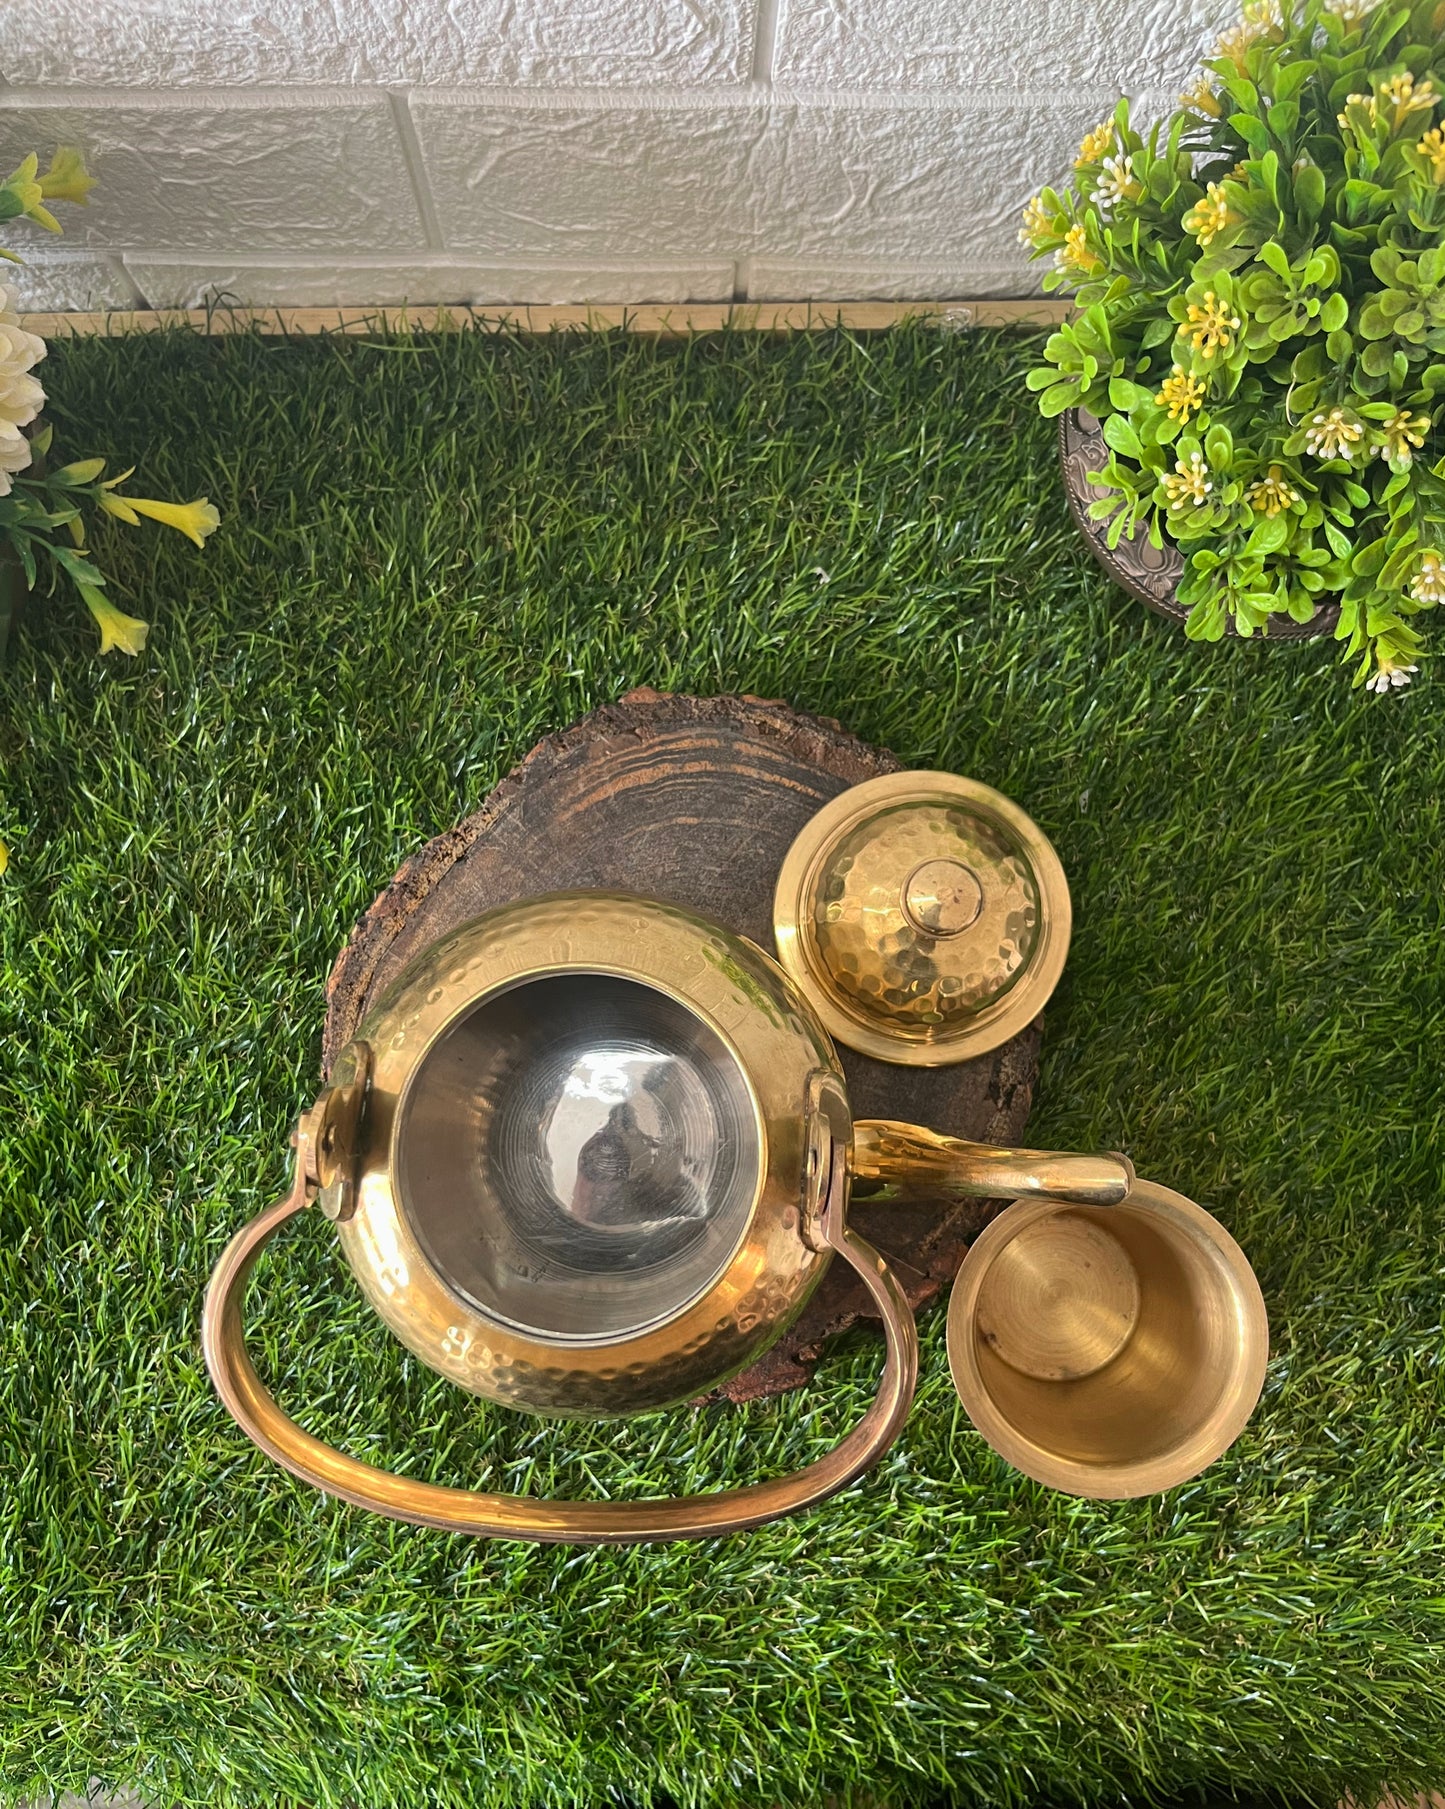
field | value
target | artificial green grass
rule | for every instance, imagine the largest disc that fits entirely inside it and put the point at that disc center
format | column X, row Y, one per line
column 433, row 552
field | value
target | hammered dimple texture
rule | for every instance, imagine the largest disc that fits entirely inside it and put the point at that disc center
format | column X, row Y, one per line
column 749, row 1001
column 741, row 1328
column 883, row 968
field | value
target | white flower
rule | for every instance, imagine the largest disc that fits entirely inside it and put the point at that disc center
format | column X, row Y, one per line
column 1189, row 482
column 21, row 397
column 1389, row 675
column 1429, row 585
column 9, row 318
column 1117, row 183
column 1333, row 436
column 14, row 456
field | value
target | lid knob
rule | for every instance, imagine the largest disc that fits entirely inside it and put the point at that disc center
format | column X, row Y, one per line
column 942, row 897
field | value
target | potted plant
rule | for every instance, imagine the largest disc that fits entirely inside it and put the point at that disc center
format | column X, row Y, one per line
column 1260, row 328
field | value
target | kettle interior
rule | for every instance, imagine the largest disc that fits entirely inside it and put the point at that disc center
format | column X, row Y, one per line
column 579, row 1155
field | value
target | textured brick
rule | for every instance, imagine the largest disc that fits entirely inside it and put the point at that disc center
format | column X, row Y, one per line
column 1035, row 48
column 176, row 284
column 782, row 179
column 901, row 183
column 43, row 285
column 594, row 182
column 804, row 279
column 194, row 173
column 198, row 43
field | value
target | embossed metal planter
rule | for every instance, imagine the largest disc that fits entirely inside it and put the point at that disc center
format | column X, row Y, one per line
column 1151, row 574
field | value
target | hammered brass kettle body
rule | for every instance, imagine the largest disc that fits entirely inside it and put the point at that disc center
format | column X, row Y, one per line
column 589, row 1156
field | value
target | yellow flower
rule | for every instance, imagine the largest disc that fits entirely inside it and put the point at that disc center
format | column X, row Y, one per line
column 193, row 519
column 1401, row 93
column 4, row 856
column 1272, row 495
column 121, row 509
column 1097, row 144
column 117, row 630
column 1039, row 224
column 1429, row 585
column 1189, row 482
column 1261, row 21
column 1367, row 101
column 1200, row 97
column 1212, row 326
column 1403, row 433
column 66, row 179
column 1180, row 393
column 1074, row 253
column 29, row 194
column 22, row 178
column 1432, row 148
column 1333, row 435
column 1211, row 215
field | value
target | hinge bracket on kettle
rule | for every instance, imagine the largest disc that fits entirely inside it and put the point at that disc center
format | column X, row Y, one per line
column 336, row 1125
column 825, row 1182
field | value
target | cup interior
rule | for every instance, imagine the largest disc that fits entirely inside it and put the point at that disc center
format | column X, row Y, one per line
column 1112, row 1351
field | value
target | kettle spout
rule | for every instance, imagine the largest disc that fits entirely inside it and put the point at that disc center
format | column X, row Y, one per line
column 903, row 1161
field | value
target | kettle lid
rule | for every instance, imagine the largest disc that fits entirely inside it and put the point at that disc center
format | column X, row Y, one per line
column 925, row 917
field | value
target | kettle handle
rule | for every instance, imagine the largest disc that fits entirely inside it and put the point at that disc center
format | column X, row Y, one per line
column 523, row 1516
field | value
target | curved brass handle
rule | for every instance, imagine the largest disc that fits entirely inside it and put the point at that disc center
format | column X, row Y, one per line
column 521, row 1516
column 892, row 1161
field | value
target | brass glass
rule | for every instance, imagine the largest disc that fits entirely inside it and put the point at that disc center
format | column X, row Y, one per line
column 588, row 1156
column 925, row 917
column 1108, row 1353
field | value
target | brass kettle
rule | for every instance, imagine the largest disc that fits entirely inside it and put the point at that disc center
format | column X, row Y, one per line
column 589, row 1156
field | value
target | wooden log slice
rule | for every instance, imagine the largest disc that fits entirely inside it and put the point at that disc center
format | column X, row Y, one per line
column 695, row 800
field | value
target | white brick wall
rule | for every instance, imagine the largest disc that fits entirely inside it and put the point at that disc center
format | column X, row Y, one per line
column 487, row 151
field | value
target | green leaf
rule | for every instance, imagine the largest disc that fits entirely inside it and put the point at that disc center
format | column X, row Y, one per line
column 78, row 566
column 1054, row 401
column 1340, row 543
column 1335, row 313
column 1375, row 360
column 1271, row 252
column 1269, row 535
column 1309, row 192
column 1119, row 433
column 1252, row 131
column 1127, row 396
column 82, row 471
column 1373, row 323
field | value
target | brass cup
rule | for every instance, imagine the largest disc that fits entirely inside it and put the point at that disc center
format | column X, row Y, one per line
column 1108, row 1352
